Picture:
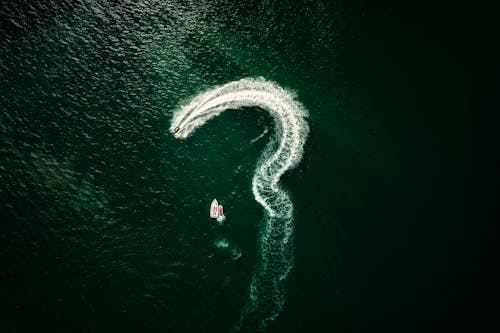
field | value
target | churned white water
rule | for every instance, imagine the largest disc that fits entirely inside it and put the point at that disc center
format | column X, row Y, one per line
column 282, row 153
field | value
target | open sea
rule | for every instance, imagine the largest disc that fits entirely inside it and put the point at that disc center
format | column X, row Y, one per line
column 337, row 134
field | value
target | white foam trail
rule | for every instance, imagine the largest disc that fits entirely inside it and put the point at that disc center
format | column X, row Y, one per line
column 281, row 154
column 259, row 137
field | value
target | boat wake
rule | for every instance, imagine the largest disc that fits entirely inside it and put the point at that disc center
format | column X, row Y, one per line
column 283, row 152
column 259, row 137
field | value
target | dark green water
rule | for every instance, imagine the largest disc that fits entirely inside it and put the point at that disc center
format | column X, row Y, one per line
column 105, row 215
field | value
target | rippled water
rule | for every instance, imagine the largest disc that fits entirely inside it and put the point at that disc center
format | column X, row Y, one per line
column 105, row 214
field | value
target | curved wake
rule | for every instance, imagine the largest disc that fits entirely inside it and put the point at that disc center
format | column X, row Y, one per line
column 281, row 154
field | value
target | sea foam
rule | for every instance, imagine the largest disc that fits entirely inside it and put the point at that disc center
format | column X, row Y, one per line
column 282, row 153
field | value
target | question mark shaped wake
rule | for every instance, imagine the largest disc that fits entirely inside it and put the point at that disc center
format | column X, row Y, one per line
column 282, row 153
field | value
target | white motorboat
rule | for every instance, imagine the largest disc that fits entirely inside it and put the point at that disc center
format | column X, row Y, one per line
column 214, row 209
column 217, row 211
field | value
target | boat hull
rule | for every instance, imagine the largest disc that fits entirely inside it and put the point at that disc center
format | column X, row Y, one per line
column 214, row 209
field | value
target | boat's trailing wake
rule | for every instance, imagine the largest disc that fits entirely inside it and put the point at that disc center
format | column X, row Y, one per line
column 282, row 153
column 260, row 136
